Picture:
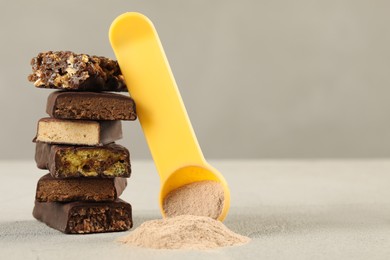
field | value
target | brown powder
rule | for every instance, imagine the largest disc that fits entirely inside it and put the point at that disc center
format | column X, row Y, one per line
column 183, row 232
column 204, row 198
column 191, row 211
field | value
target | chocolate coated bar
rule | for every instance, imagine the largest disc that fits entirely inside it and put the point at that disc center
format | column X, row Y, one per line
column 51, row 189
column 90, row 105
column 85, row 217
column 70, row 71
column 79, row 132
column 64, row 161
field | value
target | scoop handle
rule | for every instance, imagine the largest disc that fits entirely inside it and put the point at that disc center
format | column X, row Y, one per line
column 150, row 81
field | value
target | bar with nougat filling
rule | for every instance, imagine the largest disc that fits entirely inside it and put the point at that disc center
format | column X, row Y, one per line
column 65, row 161
column 81, row 217
column 78, row 132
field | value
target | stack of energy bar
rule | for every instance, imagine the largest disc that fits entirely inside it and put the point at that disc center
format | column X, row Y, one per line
column 87, row 170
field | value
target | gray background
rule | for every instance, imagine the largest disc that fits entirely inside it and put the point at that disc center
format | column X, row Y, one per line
column 260, row 79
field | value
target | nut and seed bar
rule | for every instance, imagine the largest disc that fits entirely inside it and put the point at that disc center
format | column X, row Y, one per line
column 70, row 71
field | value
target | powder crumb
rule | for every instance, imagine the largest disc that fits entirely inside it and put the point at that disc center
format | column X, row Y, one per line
column 203, row 198
column 183, row 232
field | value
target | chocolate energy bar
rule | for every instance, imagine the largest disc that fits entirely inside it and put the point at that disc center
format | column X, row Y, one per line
column 85, row 217
column 90, row 105
column 78, row 132
column 51, row 189
column 70, row 71
column 65, row 161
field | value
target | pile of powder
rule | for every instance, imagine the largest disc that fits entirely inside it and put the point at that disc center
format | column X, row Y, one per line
column 191, row 211
column 183, row 232
column 203, row 198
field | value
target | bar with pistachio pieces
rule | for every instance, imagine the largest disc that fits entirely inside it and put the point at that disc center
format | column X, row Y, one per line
column 66, row 161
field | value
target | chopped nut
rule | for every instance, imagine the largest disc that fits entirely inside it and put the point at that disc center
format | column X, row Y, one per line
column 71, row 71
column 70, row 60
column 38, row 82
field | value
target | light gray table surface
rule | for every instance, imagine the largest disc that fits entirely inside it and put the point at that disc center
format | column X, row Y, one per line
column 291, row 209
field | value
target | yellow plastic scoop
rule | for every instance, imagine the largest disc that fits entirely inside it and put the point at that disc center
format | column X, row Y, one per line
column 161, row 112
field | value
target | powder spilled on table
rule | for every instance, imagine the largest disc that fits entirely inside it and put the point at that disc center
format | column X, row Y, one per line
column 183, row 232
